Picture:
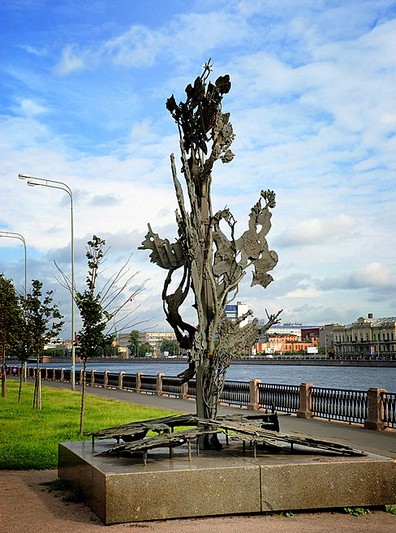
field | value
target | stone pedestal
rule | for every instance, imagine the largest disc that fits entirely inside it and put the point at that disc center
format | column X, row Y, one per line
column 221, row 483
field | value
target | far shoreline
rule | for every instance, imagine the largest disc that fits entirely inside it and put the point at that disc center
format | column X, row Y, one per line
column 297, row 361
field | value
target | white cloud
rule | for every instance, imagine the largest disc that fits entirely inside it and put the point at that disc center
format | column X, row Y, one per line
column 30, row 108
column 70, row 61
column 312, row 105
column 314, row 231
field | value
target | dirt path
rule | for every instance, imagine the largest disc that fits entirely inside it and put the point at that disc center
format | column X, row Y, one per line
column 27, row 505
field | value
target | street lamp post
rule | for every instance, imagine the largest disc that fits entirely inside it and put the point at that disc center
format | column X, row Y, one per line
column 13, row 235
column 34, row 181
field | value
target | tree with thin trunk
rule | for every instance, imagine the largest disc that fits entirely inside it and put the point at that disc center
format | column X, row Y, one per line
column 42, row 321
column 208, row 257
column 10, row 325
column 99, row 309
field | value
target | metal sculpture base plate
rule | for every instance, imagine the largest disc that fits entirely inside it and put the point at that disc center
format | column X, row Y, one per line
column 124, row 489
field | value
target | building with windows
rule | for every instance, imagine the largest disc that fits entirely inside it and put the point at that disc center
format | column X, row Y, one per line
column 154, row 338
column 285, row 344
column 326, row 339
column 235, row 311
column 367, row 338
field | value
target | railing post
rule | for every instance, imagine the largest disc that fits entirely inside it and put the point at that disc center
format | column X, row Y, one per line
column 62, row 375
column 375, row 410
column 254, row 404
column 304, row 410
column 121, row 380
column 105, row 379
column 184, row 391
column 93, row 378
column 158, row 386
column 81, row 377
column 138, row 381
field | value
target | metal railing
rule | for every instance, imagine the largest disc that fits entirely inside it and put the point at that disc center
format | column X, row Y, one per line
column 350, row 406
column 129, row 381
column 274, row 397
column 338, row 404
column 388, row 401
column 148, row 383
column 235, row 393
column 171, row 386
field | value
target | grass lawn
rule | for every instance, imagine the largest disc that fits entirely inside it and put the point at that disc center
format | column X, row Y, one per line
column 29, row 438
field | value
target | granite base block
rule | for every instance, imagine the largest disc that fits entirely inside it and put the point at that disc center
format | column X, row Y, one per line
column 123, row 489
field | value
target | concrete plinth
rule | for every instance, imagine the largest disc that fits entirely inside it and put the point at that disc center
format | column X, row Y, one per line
column 120, row 489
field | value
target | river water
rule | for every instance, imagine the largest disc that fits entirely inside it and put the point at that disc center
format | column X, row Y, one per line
column 335, row 377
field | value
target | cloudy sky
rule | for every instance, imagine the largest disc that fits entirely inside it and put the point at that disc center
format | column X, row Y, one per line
column 313, row 105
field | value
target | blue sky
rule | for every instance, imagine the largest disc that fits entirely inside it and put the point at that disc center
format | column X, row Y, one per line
column 313, row 106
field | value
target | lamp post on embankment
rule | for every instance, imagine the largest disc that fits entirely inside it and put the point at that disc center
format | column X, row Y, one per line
column 33, row 181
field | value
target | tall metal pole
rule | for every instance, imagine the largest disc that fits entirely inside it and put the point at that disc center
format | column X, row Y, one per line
column 43, row 182
column 13, row 235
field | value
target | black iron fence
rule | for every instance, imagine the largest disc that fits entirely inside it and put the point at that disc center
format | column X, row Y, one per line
column 388, row 403
column 236, row 393
column 283, row 398
column 375, row 409
column 338, row 404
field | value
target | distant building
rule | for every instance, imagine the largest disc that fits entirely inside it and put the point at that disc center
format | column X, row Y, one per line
column 154, row 338
column 233, row 312
column 285, row 344
column 283, row 329
column 326, row 339
column 367, row 338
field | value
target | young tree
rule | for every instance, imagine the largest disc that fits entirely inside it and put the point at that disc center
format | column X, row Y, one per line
column 134, row 342
column 41, row 322
column 209, row 261
column 10, row 324
column 97, row 311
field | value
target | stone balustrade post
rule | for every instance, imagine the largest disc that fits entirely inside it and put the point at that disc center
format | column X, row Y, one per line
column 305, row 401
column 138, row 381
column 184, row 391
column 121, row 380
column 375, row 410
column 93, row 378
column 105, row 379
column 254, row 403
column 80, row 378
column 158, row 386
column 62, row 375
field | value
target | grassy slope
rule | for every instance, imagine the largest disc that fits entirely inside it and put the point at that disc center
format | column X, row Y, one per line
column 29, row 438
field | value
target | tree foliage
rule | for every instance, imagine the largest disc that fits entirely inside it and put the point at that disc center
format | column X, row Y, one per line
column 134, row 342
column 170, row 346
column 10, row 323
column 99, row 308
column 145, row 349
column 41, row 322
column 92, row 337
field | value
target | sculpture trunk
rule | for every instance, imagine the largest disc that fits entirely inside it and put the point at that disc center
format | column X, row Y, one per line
column 212, row 261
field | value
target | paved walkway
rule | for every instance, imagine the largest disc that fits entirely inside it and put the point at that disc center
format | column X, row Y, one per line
column 27, row 504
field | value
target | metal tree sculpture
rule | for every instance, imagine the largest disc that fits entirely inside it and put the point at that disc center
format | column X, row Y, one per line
column 211, row 263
